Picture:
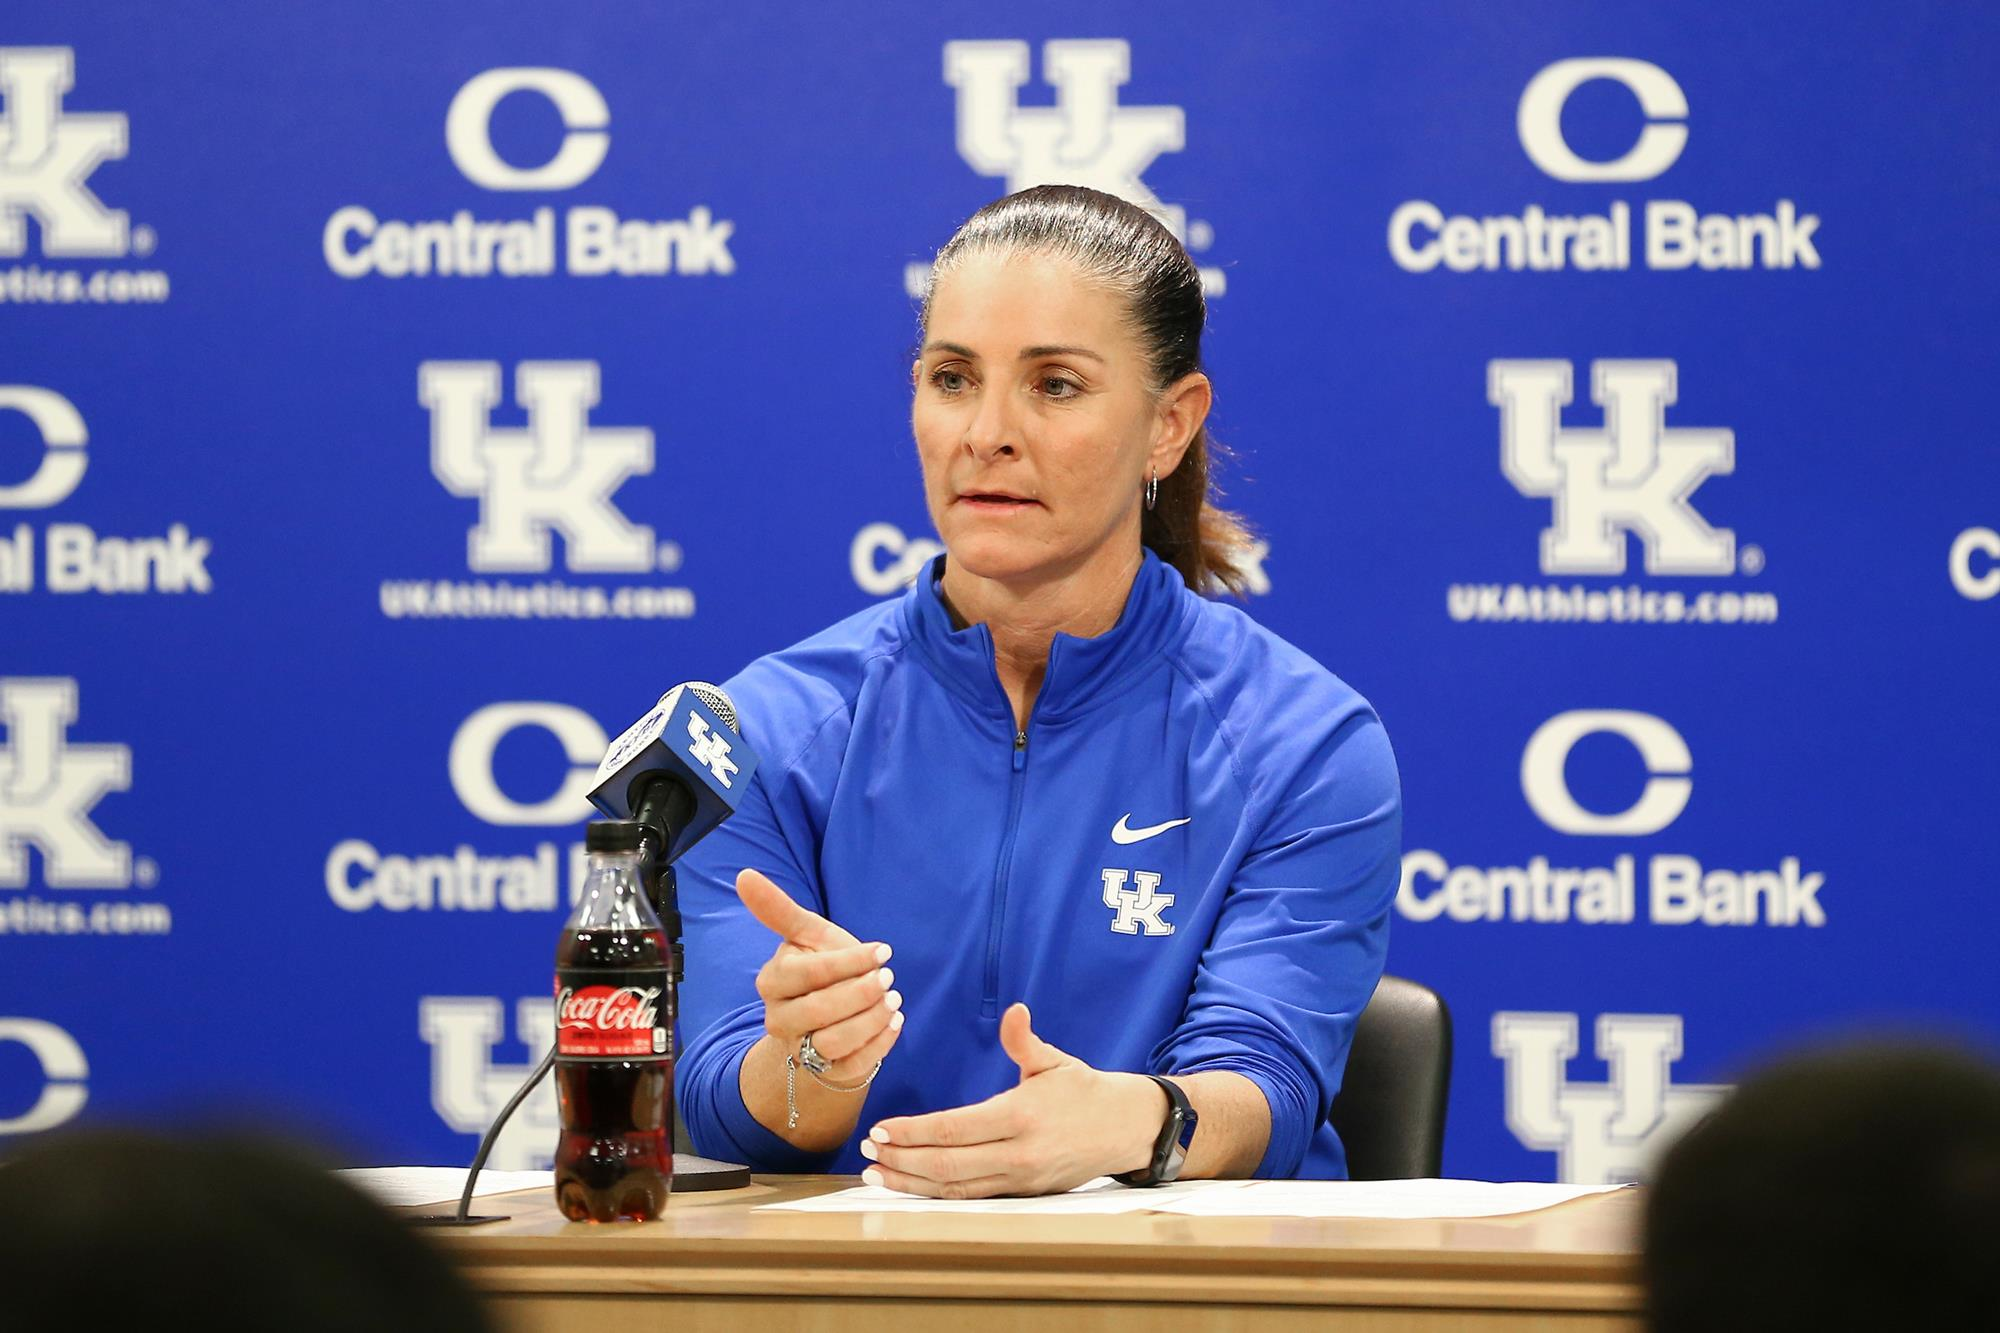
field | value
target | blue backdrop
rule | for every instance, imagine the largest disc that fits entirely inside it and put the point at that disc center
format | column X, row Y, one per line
column 396, row 400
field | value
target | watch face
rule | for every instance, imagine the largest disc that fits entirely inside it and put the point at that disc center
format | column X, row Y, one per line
column 1176, row 1136
column 1177, row 1147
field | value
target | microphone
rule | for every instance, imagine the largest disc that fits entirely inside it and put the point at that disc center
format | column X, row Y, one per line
column 679, row 771
column 681, row 768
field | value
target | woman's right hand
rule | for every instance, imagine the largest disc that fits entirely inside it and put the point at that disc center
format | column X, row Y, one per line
column 824, row 983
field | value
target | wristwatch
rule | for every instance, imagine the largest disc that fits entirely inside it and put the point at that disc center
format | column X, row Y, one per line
column 1170, row 1150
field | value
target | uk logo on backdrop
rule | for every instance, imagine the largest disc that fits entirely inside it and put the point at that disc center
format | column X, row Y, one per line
column 1630, row 481
column 1634, row 476
column 557, row 475
column 581, row 240
column 1602, row 1133
column 469, row 1086
column 1662, row 233
column 1087, row 138
column 469, row 1082
column 554, row 480
column 49, row 154
column 68, row 557
column 1666, row 888
column 50, row 788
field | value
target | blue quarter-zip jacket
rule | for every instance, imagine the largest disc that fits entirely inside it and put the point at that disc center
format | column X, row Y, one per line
column 896, row 798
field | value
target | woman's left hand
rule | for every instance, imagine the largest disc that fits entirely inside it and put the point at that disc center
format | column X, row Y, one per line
column 1065, row 1123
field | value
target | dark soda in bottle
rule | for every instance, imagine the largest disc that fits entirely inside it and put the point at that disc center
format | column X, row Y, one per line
column 614, row 1042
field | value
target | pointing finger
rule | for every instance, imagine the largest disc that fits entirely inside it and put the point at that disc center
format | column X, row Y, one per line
column 785, row 918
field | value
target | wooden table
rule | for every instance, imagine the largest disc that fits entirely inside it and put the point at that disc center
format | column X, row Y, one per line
column 714, row 1264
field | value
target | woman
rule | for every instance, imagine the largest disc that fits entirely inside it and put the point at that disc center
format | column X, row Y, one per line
column 1110, row 830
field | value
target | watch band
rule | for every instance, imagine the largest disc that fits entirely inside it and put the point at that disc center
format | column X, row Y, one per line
column 1170, row 1150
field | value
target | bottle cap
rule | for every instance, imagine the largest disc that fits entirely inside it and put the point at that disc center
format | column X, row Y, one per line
column 613, row 835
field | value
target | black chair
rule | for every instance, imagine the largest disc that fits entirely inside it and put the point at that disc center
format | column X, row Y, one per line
column 1390, row 1111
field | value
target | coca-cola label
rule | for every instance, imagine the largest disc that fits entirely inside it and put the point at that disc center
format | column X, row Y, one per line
column 611, row 1019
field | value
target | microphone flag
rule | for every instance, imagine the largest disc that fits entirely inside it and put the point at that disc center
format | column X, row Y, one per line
column 685, row 739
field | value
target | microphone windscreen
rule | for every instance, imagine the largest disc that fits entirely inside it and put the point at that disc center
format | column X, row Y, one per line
column 718, row 703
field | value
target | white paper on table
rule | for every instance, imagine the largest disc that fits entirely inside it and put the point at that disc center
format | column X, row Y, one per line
column 405, row 1186
column 1094, row 1197
column 1417, row 1199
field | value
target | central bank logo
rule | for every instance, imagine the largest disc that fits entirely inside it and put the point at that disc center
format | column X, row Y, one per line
column 885, row 560
column 1602, row 1133
column 47, row 156
column 582, row 240
column 556, row 475
column 552, row 793
column 64, row 458
column 476, row 744
column 73, row 557
column 1667, row 888
column 468, row 129
column 63, row 1070
column 1545, row 782
column 49, row 785
column 469, row 1087
column 1633, row 474
column 1087, row 138
column 1672, row 233
column 1976, row 581
column 1538, row 119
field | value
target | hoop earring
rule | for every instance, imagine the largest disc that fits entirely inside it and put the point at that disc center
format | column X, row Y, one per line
column 1153, row 488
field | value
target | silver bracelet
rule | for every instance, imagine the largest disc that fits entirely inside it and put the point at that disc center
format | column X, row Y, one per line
column 791, row 1087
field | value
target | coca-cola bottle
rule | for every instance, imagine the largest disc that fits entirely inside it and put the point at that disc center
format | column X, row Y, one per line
column 614, row 1042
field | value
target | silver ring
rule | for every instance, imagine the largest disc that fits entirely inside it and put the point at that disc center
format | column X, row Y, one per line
column 811, row 1058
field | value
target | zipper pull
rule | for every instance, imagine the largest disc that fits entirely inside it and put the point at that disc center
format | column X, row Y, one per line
column 1020, row 750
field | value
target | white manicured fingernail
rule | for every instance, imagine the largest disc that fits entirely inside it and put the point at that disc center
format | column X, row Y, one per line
column 868, row 1149
column 879, row 1134
column 894, row 999
column 882, row 952
column 886, row 977
column 896, row 1021
column 871, row 1176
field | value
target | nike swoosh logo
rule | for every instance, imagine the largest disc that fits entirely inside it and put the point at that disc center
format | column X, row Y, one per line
column 1122, row 834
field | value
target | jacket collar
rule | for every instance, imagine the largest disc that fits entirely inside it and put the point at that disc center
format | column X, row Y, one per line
column 1082, row 672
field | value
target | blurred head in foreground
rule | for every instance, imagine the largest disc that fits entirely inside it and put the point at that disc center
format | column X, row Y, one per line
column 1851, row 1188
column 104, row 1228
